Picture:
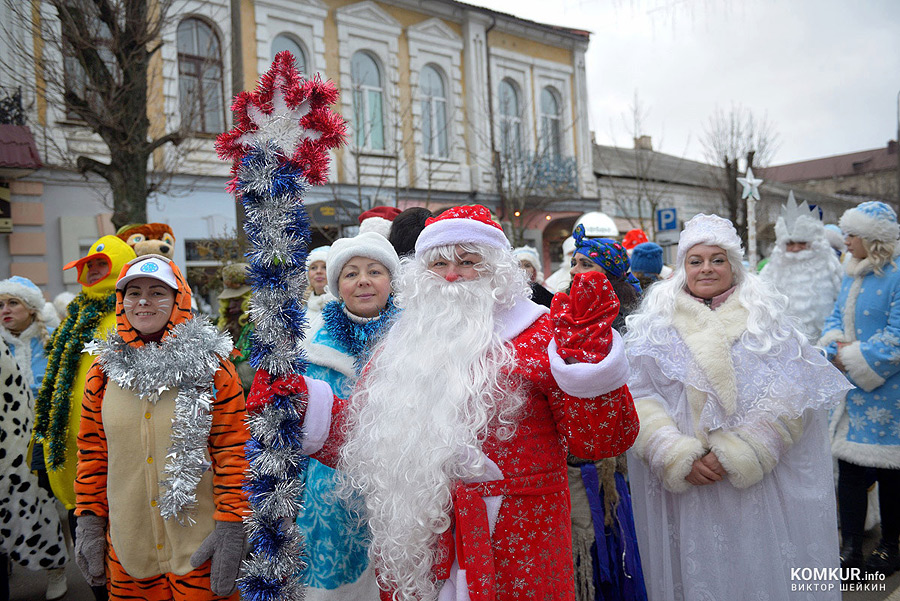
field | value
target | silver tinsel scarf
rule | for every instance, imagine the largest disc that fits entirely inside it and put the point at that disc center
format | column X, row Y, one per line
column 186, row 360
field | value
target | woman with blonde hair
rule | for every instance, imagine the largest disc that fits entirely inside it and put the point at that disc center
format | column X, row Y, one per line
column 862, row 338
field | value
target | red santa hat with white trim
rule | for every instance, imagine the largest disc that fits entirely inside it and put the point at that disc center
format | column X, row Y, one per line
column 378, row 220
column 470, row 224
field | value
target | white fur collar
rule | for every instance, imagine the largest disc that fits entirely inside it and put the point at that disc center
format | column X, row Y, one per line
column 710, row 335
column 513, row 321
column 326, row 356
column 315, row 304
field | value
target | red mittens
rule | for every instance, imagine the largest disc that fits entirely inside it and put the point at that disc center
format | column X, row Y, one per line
column 265, row 386
column 582, row 320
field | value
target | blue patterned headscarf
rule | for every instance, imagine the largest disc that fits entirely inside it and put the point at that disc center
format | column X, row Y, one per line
column 608, row 254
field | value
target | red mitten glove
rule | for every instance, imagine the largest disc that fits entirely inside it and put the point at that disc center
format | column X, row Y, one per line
column 582, row 320
column 265, row 385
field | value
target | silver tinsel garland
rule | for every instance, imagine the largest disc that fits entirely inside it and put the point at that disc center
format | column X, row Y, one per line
column 187, row 360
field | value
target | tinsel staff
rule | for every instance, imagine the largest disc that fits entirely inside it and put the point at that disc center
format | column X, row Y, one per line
column 279, row 147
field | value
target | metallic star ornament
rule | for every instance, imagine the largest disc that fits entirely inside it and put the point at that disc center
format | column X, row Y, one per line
column 282, row 126
column 751, row 185
column 289, row 114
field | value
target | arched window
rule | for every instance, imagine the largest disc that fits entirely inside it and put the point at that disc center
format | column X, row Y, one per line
column 283, row 41
column 368, row 114
column 550, row 123
column 510, row 118
column 434, row 113
column 200, row 93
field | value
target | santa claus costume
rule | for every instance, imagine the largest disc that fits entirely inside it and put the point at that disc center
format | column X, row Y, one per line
column 457, row 433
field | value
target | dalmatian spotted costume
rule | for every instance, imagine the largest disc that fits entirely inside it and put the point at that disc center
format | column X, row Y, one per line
column 30, row 531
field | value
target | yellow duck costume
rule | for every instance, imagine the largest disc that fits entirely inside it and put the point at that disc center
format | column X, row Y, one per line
column 58, row 406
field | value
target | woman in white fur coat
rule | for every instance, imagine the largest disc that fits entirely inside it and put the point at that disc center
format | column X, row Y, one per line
column 731, row 473
column 862, row 337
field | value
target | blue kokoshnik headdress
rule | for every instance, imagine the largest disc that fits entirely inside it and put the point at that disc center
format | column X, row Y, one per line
column 608, row 254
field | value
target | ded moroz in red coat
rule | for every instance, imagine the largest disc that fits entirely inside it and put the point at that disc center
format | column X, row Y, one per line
column 512, row 534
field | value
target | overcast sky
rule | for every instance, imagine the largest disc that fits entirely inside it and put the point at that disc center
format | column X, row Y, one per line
column 824, row 73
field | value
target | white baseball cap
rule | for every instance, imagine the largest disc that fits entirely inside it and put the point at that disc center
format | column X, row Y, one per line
column 149, row 266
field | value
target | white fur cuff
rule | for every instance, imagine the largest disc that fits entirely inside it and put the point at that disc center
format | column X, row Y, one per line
column 317, row 422
column 677, row 454
column 739, row 459
column 588, row 380
column 829, row 337
column 651, row 417
column 858, row 369
column 669, row 453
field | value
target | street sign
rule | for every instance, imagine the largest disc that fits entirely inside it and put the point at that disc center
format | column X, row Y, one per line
column 666, row 219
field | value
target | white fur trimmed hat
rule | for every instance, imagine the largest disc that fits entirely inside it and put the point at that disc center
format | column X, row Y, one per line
column 707, row 229
column 530, row 254
column 320, row 253
column 872, row 220
column 470, row 224
column 369, row 244
column 378, row 220
column 25, row 290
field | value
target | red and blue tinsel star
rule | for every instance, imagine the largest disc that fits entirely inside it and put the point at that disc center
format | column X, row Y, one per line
column 290, row 113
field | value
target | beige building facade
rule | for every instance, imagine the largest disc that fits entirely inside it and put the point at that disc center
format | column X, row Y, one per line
column 447, row 103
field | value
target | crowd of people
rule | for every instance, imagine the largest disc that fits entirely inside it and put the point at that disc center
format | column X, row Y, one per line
column 619, row 430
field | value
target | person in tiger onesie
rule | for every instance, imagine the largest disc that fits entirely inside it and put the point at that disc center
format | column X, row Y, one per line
column 161, row 448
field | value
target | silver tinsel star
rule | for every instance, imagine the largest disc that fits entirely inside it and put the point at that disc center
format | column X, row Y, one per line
column 280, row 127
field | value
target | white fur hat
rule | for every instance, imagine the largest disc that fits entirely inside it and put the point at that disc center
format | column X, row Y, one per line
column 707, row 229
column 25, row 290
column 872, row 220
column 530, row 254
column 320, row 253
column 378, row 220
column 370, row 245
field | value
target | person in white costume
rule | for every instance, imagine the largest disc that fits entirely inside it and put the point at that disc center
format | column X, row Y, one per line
column 560, row 279
column 731, row 473
column 803, row 267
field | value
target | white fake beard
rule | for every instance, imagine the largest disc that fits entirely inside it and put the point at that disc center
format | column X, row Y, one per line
column 418, row 420
column 805, row 277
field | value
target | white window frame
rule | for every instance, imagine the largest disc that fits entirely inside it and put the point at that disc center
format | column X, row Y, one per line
column 438, row 120
column 550, row 146
column 304, row 21
column 362, row 93
column 510, row 121
column 433, row 42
